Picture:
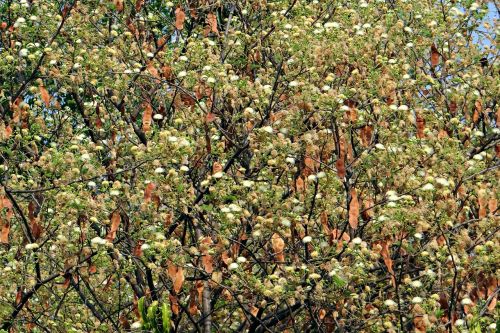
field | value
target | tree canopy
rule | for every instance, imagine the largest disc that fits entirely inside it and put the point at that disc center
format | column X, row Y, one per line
column 249, row 166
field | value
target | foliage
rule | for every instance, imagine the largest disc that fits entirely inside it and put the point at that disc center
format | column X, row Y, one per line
column 249, row 166
column 153, row 318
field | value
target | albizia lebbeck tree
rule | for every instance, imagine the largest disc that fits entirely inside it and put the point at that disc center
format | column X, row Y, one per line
column 249, row 166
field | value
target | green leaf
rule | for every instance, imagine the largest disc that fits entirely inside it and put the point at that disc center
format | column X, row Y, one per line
column 338, row 281
column 165, row 315
column 152, row 311
column 207, row 208
column 476, row 328
column 142, row 310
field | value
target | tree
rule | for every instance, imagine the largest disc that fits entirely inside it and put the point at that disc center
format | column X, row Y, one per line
column 248, row 166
